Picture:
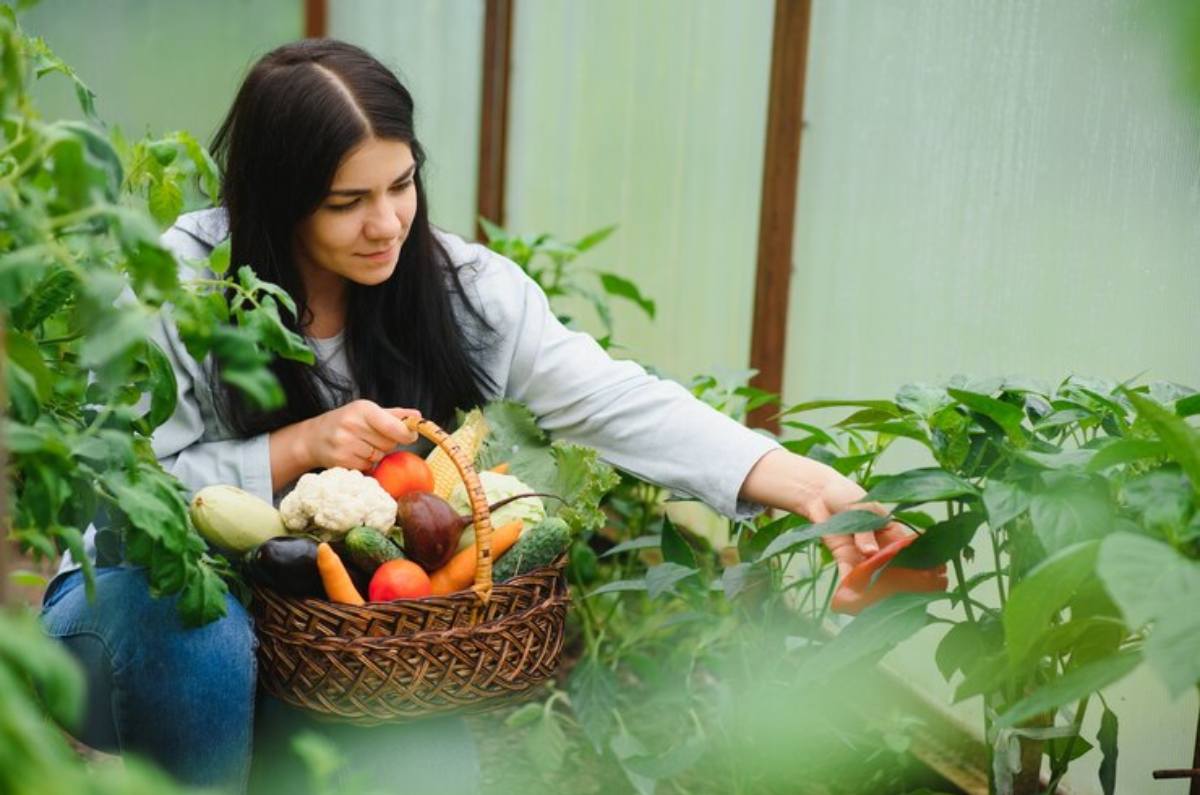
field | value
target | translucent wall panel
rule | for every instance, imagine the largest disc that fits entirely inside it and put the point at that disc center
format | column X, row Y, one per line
column 650, row 116
column 993, row 188
column 158, row 65
column 436, row 48
column 1000, row 188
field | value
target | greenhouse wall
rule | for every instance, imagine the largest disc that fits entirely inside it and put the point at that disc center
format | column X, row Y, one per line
column 992, row 189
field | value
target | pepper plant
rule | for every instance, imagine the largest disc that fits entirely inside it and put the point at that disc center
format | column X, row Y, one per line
column 1078, row 507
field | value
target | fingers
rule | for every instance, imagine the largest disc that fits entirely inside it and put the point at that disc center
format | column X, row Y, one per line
column 866, row 543
column 845, row 552
column 400, row 415
column 894, row 531
column 389, row 424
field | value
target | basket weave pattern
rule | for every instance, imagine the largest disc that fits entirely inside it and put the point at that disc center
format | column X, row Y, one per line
column 466, row 652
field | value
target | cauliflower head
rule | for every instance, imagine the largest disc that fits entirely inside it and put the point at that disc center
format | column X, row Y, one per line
column 496, row 486
column 332, row 502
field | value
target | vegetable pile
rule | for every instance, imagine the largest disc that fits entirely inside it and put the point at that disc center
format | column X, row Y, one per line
column 404, row 530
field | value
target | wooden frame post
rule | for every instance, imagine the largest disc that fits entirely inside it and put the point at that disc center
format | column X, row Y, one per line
column 777, row 215
column 493, row 117
column 316, row 19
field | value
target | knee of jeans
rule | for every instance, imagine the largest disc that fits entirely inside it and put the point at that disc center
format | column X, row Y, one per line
column 221, row 651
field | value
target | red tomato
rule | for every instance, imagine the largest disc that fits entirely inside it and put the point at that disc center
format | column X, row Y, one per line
column 399, row 579
column 856, row 591
column 403, row 472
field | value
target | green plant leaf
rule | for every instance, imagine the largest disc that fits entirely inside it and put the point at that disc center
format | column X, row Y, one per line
column 1162, row 499
column 619, row 586
column 641, row 542
column 1004, row 501
column 873, row 632
column 219, row 257
column 166, row 199
column 1149, row 581
column 1035, row 600
column 525, row 715
column 626, row 746
column 623, row 288
column 675, row 548
column 593, row 239
column 664, row 577
column 163, row 387
column 593, row 691
column 1188, row 406
column 1006, row 415
column 838, row 524
column 1069, row 514
column 115, row 338
column 1071, row 686
column 941, row 542
column 670, row 764
column 547, row 744
column 1181, row 439
column 922, row 399
column 735, row 578
column 1124, row 451
column 752, row 545
column 882, row 405
column 920, row 485
column 959, row 648
column 50, row 295
column 1107, row 738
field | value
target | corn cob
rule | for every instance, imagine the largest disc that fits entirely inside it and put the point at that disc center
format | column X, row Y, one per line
column 469, row 437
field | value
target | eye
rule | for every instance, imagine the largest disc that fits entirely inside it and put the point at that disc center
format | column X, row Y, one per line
column 340, row 207
column 402, row 186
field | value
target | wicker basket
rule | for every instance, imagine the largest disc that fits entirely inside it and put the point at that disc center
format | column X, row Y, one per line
column 466, row 652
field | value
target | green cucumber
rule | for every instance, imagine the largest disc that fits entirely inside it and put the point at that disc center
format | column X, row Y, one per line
column 536, row 548
column 368, row 548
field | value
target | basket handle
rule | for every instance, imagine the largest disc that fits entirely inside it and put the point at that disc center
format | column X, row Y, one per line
column 476, row 496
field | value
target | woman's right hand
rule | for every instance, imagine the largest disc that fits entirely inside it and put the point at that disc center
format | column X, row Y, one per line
column 356, row 435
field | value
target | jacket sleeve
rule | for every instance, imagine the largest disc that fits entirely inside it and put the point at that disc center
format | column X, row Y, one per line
column 187, row 444
column 646, row 425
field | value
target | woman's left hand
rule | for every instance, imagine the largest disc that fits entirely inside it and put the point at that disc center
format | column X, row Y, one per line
column 839, row 493
column 782, row 479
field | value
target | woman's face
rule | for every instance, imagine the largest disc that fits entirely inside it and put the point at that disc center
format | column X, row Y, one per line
column 357, row 230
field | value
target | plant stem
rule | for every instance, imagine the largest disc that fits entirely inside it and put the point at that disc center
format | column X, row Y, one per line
column 958, row 572
column 996, row 557
column 1058, row 767
column 962, row 588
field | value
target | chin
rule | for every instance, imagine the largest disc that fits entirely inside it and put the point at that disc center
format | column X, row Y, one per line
column 370, row 275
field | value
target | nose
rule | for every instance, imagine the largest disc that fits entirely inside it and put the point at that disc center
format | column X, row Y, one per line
column 382, row 222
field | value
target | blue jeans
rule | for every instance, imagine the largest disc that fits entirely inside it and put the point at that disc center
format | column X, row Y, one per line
column 185, row 698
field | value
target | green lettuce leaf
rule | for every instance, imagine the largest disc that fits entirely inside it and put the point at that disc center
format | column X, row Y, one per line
column 571, row 471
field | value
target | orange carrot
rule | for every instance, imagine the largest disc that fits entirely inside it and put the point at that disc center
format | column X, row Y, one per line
column 459, row 573
column 338, row 585
column 500, row 469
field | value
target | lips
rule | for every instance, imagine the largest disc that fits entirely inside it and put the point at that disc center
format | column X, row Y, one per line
column 380, row 255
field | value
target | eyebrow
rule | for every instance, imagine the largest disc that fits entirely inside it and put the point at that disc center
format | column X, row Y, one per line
column 362, row 192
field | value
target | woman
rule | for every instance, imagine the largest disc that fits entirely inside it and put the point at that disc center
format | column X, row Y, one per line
column 322, row 194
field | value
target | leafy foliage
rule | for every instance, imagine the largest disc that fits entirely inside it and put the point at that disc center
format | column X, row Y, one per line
column 88, row 293
column 553, row 264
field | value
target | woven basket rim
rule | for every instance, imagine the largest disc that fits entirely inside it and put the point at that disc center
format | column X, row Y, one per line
column 458, row 596
column 492, row 627
column 514, row 583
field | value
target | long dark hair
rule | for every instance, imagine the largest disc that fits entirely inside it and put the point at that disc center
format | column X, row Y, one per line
column 279, row 147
